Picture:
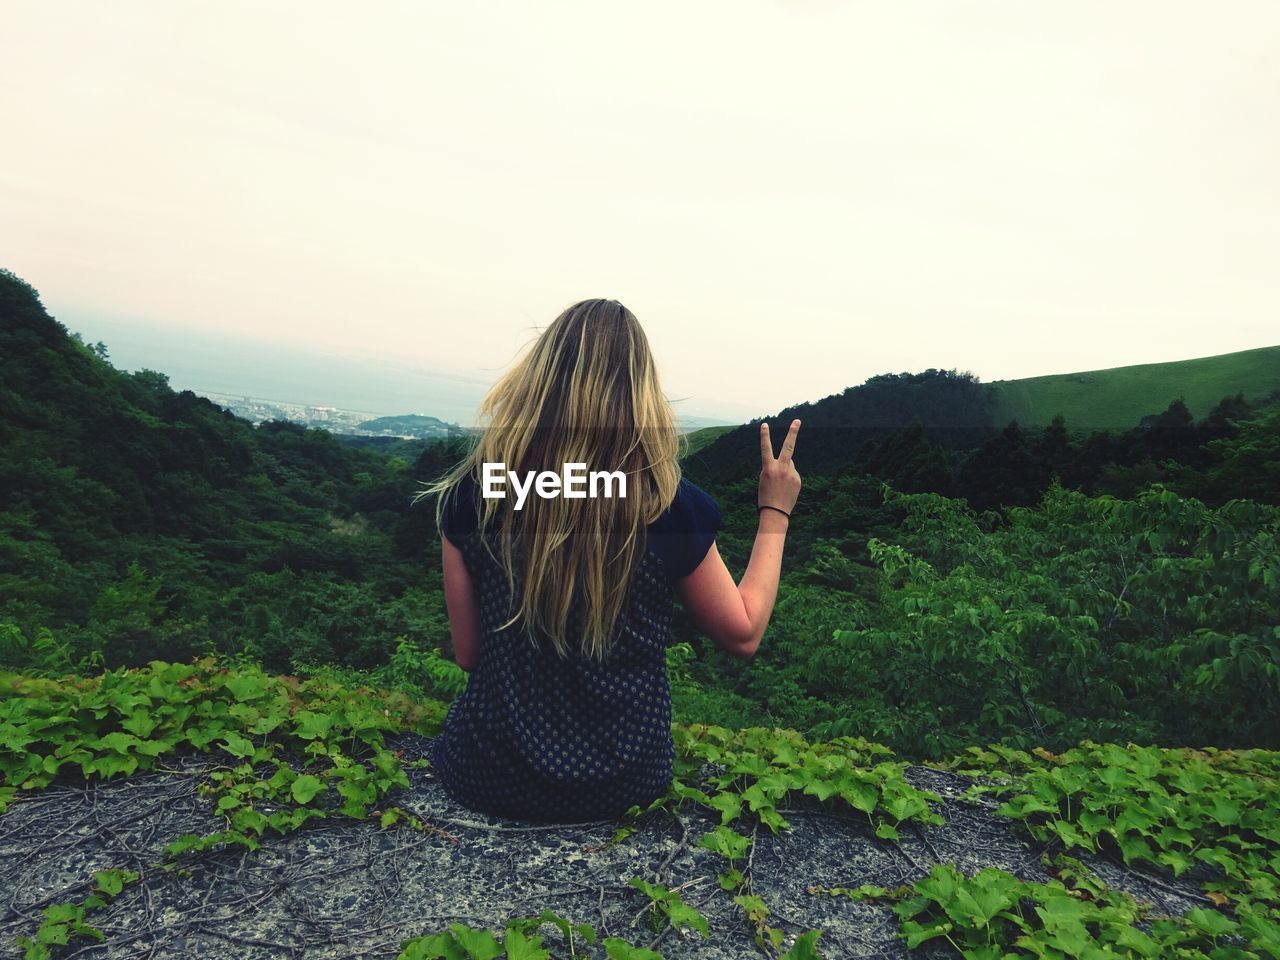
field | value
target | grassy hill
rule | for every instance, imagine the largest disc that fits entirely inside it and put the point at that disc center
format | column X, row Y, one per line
column 1121, row 396
column 700, row 438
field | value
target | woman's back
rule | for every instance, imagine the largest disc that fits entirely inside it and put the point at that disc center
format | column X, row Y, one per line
column 542, row 737
column 560, row 606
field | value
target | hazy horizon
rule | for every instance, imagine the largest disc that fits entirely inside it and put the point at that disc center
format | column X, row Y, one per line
column 791, row 196
column 265, row 369
column 236, row 365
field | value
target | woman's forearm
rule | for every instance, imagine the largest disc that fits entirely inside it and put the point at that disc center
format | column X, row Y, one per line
column 759, row 586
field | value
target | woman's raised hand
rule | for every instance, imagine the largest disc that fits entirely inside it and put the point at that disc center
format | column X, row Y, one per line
column 779, row 480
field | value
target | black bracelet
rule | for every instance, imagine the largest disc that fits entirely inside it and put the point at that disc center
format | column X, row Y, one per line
column 779, row 509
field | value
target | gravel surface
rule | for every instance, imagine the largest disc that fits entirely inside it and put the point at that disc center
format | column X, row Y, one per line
column 340, row 888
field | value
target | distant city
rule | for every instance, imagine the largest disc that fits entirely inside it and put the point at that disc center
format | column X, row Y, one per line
column 365, row 423
column 360, row 423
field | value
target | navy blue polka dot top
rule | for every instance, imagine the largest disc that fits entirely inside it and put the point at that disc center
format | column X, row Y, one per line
column 546, row 738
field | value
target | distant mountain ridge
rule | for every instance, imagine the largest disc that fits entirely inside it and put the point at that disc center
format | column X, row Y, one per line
column 413, row 425
column 956, row 410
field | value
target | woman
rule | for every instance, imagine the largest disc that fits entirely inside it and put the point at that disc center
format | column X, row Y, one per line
column 559, row 606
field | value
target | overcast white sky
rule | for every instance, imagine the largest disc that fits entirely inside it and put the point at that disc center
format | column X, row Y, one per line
column 791, row 196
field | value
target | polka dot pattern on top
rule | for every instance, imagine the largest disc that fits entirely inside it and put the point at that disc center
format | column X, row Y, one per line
column 539, row 737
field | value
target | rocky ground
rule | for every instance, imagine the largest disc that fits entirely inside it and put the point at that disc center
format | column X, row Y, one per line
column 344, row 889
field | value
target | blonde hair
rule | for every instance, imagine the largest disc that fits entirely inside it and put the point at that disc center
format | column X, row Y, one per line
column 586, row 392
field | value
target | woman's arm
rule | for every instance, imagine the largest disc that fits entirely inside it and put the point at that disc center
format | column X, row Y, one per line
column 735, row 616
column 463, row 607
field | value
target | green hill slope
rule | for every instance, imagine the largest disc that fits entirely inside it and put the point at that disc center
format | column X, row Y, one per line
column 697, row 439
column 1122, row 396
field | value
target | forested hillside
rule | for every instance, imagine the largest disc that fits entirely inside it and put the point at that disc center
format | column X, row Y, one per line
column 1084, row 623
column 1229, row 452
column 139, row 522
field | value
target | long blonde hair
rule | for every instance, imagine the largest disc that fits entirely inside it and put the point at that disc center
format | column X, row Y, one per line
column 587, row 392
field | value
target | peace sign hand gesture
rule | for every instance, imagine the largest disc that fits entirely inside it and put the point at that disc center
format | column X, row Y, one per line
column 779, row 480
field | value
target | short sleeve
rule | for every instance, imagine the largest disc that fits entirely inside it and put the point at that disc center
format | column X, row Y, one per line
column 684, row 533
column 458, row 518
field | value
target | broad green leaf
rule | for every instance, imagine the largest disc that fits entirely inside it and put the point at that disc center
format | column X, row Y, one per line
column 728, row 803
column 312, row 726
column 731, row 879
column 438, row 946
column 1210, row 922
column 683, row 915
column 305, row 788
column 478, row 944
column 520, row 947
column 118, row 742
column 860, row 796
column 246, row 686
column 140, row 723
column 886, row 831
column 941, row 885
column 111, row 882
column 727, row 842
column 822, row 789
column 237, row 745
column 918, row 933
column 619, row 949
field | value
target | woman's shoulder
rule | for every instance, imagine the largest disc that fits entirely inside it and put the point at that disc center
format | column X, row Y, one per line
column 691, row 509
column 684, row 532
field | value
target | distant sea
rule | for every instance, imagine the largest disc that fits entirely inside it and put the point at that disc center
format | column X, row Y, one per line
column 202, row 361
